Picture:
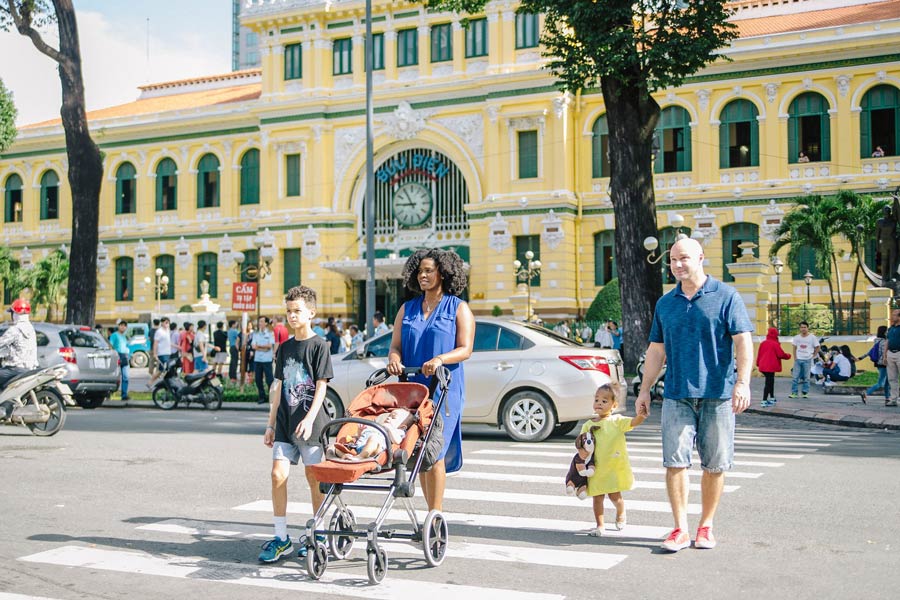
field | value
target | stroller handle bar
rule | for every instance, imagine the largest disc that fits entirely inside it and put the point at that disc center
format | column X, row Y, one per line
column 442, row 374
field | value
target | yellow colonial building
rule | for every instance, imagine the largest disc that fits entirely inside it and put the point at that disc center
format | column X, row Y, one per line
column 475, row 150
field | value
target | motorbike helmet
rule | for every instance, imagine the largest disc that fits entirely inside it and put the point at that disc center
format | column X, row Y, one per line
column 20, row 307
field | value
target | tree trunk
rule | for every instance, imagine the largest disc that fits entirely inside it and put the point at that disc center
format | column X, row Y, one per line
column 85, row 173
column 632, row 115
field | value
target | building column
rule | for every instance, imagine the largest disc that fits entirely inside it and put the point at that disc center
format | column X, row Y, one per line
column 879, row 306
column 358, row 62
column 424, row 50
column 390, row 55
column 459, row 48
column 749, row 275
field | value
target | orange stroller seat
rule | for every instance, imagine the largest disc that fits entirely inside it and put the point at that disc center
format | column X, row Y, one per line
column 369, row 404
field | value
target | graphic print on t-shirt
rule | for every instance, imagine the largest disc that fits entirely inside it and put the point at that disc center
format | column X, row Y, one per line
column 299, row 387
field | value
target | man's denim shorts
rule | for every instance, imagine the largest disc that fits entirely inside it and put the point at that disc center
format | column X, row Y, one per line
column 310, row 455
column 709, row 422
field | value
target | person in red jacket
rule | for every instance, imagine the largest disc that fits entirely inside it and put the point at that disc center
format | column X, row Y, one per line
column 768, row 361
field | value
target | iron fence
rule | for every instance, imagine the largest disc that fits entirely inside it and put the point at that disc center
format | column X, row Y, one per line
column 839, row 319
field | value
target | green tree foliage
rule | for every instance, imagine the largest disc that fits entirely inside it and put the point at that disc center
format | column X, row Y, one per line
column 629, row 49
column 47, row 281
column 35, row 20
column 607, row 304
column 819, row 317
column 8, row 114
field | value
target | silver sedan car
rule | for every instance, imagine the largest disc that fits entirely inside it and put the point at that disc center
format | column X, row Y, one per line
column 521, row 377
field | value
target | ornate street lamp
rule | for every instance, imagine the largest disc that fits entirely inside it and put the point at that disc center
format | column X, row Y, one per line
column 778, row 266
column 160, row 286
column 265, row 248
column 808, row 277
column 525, row 272
column 651, row 243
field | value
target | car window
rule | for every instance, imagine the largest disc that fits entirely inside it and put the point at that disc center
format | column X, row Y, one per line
column 83, row 339
column 378, row 348
column 40, row 337
column 552, row 335
column 485, row 337
column 510, row 340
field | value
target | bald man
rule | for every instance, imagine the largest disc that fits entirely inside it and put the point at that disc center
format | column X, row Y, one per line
column 701, row 329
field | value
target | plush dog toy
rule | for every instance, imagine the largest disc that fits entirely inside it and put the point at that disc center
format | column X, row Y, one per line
column 581, row 467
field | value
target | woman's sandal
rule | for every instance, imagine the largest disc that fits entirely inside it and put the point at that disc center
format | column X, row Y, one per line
column 620, row 523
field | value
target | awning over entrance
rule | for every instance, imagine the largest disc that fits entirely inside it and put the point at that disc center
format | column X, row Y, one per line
column 385, row 268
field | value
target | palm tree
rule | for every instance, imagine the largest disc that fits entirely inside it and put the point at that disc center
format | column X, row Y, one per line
column 47, row 280
column 813, row 223
column 8, row 271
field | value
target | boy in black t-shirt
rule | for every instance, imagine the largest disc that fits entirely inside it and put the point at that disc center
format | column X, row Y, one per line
column 296, row 416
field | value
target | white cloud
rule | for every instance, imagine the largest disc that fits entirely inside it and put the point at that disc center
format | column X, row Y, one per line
column 114, row 62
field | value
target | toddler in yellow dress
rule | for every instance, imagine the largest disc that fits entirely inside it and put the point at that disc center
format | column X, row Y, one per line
column 612, row 469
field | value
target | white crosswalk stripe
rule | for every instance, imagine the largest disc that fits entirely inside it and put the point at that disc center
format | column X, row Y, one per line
column 503, row 526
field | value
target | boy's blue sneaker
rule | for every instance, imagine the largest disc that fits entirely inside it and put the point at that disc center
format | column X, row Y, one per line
column 275, row 549
column 767, row 403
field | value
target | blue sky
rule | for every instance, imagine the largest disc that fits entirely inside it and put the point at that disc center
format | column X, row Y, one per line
column 187, row 39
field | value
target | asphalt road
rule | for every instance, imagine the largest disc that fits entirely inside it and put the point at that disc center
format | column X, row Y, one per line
column 150, row 504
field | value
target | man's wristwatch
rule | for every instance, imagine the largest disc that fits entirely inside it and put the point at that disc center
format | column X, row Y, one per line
column 268, row 427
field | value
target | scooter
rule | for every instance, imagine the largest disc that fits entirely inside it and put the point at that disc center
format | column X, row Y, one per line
column 658, row 387
column 173, row 388
column 39, row 398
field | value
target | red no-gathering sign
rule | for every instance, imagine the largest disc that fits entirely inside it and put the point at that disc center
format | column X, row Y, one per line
column 243, row 296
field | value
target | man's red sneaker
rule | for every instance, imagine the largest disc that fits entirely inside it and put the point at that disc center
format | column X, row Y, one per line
column 705, row 539
column 676, row 541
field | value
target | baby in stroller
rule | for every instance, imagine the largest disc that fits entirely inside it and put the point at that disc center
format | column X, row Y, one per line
column 369, row 441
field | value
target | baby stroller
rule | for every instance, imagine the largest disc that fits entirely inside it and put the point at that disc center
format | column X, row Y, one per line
column 403, row 461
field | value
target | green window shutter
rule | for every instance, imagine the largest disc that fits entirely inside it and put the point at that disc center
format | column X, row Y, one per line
column 291, row 262
column 754, row 142
column 208, row 270
column 806, row 261
column 377, row 51
column 251, row 258
column 658, row 163
column 292, row 170
column 528, row 154
column 599, row 131
column 166, row 185
column 724, row 146
column 686, row 155
column 342, row 56
column 124, row 279
column 865, row 134
column 125, row 192
column 208, row 182
column 604, row 257
column 732, row 235
column 407, row 47
column 441, row 43
column 476, row 38
column 49, row 196
column 825, row 124
column 250, row 177
column 527, row 30
column 13, row 198
column 793, row 138
column 166, row 262
column 524, row 243
column 293, row 61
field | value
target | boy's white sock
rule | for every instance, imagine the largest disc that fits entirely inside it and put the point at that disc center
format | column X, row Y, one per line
column 280, row 527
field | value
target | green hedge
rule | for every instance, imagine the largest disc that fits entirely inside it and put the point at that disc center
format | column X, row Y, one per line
column 607, row 304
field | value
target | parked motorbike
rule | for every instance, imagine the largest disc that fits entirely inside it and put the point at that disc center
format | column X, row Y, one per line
column 656, row 390
column 39, row 400
column 173, row 388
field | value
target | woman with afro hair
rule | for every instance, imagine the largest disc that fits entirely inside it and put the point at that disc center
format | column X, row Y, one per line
column 436, row 328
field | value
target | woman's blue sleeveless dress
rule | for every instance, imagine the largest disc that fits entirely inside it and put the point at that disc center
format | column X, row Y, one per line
column 422, row 340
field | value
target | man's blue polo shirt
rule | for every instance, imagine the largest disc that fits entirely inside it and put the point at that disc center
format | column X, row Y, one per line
column 697, row 334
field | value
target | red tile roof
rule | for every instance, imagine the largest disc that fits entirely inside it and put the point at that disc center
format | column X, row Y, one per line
column 818, row 19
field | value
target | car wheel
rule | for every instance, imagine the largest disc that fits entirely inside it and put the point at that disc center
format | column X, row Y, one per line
column 333, row 405
column 90, row 401
column 564, row 428
column 528, row 416
column 139, row 360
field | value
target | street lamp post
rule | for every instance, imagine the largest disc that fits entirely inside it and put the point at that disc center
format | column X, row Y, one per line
column 808, row 277
column 160, row 286
column 265, row 252
column 526, row 272
column 778, row 266
column 651, row 243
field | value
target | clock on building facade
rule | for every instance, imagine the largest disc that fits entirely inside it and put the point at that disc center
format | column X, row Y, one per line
column 412, row 204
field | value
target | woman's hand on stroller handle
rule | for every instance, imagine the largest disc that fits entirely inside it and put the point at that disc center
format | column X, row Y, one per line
column 395, row 368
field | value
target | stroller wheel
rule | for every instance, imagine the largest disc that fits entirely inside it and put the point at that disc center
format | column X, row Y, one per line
column 435, row 535
column 340, row 545
column 376, row 565
column 317, row 560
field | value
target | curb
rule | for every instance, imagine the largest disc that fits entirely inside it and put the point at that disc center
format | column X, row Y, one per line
column 238, row 406
column 889, row 423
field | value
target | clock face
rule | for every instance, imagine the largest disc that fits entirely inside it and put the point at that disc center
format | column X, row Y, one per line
column 412, row 204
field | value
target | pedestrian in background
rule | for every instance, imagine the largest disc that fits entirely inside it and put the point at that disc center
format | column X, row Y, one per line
column 562, row 328
column 356, row 337
column 220, row 346
column 263, row 343
column 380, row 326
column 333, row 336
column 701, row 330
column 603, row 338
column 280, row 332
column 234, row 350
column 893, row 356
column 768, row 361
column 153, row 358
column 120, row 344
column 616, row 334
column 878, row 354
column 174, row 337
column 201, row 347
column 612, row 468
column 162, row 349
column 587, row 334
column 186, row 347
column 806, row 345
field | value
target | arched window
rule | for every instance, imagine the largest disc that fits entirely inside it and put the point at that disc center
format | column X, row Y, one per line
column 604, row 257
column 125, row 189
column 600, row 148
column 879, row 122
column 250, row 177
column 667, row 239
column 250, row 265
column 208, row 270
column 733, row 235
column 12, row 199
column 166, row 185
column 806, row 261
column 673, row 135
column 208, row 182
column 124, row 279
column 739, row 135
column 49, row 196
column 809, row 129
column 166, row 262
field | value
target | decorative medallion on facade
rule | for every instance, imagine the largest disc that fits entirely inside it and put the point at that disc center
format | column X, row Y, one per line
column 183, row 253
column 312, row 244
column 499, row 238
column 843, row 83
column 771, row 92
column 25, row 257
column 771, row 220
column 471, row 130
column 705, row 228
column 552, row 232
column 703, row 98
column 226, row 249
column 405, row 122
column 102, row 257
column 141, row 256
